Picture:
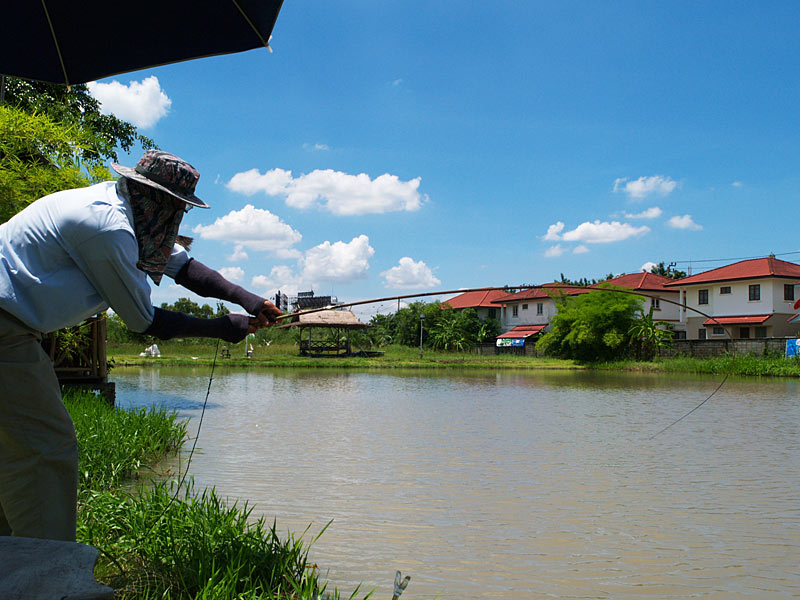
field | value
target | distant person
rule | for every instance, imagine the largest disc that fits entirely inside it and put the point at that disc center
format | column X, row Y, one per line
column 64, row 258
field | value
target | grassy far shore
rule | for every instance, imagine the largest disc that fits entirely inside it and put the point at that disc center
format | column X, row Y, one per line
column 153, row 546
column 197, row 352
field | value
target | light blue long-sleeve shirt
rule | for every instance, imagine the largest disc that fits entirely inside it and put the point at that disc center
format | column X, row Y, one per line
column 73, row 254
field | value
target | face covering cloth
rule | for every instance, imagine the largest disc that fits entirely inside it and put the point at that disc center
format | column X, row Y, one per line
column 156, row 219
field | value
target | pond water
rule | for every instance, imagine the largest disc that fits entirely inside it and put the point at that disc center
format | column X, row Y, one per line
column 507, row 484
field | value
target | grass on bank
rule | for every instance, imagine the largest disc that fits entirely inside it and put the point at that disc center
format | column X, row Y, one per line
column 195, row 547
column 197, row 352
column 743, row 364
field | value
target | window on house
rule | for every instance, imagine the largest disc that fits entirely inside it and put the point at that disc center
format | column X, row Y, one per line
column 701, row 335
column 524, row 307
column 718, row 331
column 744, row 332
column 761, row 332
column 515, row 310
column 540, row 308
column 725, row 289
column 788, row 291
column 755, row 292
column 492, row 313
column 679, row 335
column 655, row 303
column 702, row 296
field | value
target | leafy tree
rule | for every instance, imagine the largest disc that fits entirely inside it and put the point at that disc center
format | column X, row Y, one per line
column 442, row 328
column 583, row 282
column 193, row 309
column 591, row 327
column 664, row 271
column 39, row 156
column 74, row 106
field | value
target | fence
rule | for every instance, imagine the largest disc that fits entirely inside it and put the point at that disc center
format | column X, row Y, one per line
column 490, row 349
column 709, row 348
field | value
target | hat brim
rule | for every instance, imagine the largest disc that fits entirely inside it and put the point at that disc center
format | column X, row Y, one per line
column 132, row 174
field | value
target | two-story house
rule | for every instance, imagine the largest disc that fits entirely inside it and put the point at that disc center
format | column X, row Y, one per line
column 748, row 299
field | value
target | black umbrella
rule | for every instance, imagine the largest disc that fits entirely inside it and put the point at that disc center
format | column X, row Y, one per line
column 65, row 41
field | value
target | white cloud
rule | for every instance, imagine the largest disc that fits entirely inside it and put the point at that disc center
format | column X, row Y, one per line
column 554, row 232
column 340, row 261
column 554, row 251
column 599, row 232
column 252, row 228
column 647, row 267
column 337, row 192
column 409, row 275
column 581, row 249
column 651, row 213
column 281, row 278
column 239, row 254
column 317, row 147
column 645, row 186
column 737, row 184
column 234, row 274
column 142, row 103
column 684, row 222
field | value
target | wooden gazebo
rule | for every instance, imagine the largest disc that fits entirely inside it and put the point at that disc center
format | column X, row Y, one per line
column 320, row 325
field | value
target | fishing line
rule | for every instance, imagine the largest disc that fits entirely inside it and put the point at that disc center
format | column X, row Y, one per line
column 556, row 289
column 174, row 497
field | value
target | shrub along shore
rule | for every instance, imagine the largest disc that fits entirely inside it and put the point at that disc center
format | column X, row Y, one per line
column 201, row 352
column 153, row 546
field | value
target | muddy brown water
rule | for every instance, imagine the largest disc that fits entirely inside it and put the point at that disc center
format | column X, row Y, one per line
column 506, row 484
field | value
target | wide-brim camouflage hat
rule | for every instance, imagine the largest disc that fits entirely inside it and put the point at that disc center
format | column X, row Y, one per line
column 165, row 172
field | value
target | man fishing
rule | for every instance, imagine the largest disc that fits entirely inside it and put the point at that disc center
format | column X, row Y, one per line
column 64, row 258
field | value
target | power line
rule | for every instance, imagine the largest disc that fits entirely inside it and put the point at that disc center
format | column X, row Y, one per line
column 708, row 260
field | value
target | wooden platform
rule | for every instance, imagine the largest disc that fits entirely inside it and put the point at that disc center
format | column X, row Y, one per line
column 79, row 357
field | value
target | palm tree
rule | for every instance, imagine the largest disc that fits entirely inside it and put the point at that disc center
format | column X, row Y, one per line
column 650, row 335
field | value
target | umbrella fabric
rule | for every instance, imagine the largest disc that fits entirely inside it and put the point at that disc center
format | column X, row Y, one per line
column 64, row 41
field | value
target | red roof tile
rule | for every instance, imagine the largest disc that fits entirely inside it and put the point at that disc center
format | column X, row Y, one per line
column 749, row 319
column 745, row 269
column 475, row 299
column 542, row 291
column 640, row 281
column 522, row 331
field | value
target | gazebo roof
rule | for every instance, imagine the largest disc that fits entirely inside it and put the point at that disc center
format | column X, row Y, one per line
column 334, row 319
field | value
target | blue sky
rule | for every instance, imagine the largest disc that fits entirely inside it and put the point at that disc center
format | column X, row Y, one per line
column 390, row 147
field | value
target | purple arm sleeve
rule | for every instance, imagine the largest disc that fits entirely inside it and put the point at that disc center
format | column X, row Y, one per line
column 197, row 277
column 168, row 324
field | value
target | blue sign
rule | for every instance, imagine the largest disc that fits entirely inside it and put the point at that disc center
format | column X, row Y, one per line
column 792, row 347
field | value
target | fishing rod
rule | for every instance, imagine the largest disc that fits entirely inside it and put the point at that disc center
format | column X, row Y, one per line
column 553, row 291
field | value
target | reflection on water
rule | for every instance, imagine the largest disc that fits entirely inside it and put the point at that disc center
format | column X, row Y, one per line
column 509, row 484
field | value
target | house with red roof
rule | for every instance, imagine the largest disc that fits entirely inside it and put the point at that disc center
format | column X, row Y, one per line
column 480, row 301
column 526, row 313
column 748, row 299
column 532, row 307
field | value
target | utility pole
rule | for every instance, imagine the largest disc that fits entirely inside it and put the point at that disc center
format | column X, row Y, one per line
column 421, row 321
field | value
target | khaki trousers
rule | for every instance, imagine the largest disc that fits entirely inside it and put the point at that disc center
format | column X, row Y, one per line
column 38, row 449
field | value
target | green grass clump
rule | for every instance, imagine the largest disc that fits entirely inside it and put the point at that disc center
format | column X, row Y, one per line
column 116, row 445
column 196, row 546
column 160, row 542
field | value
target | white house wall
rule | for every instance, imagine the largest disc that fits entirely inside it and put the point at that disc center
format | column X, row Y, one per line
column 527, row 316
